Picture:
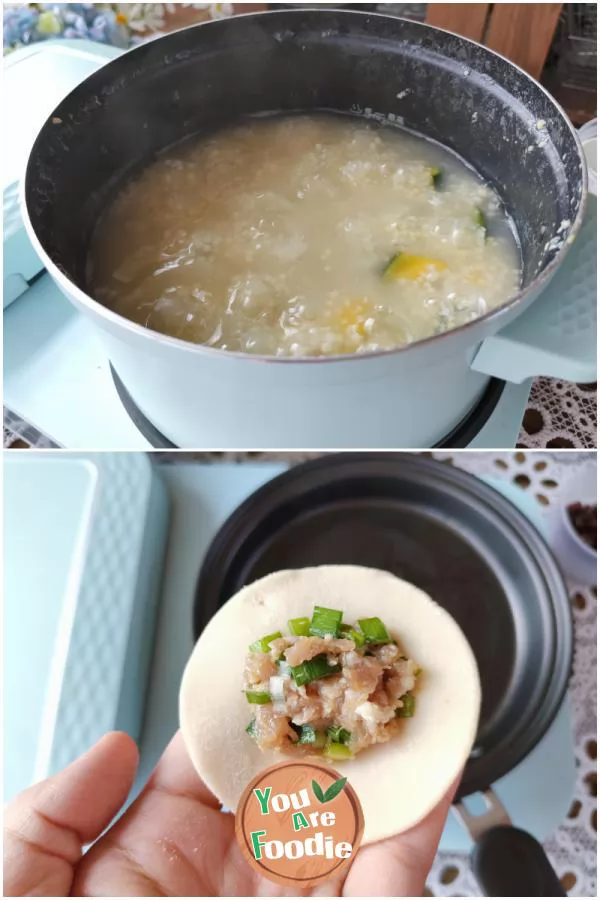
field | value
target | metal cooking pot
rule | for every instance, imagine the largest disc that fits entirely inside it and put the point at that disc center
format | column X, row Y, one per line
column 479, row 557
column 196, row 80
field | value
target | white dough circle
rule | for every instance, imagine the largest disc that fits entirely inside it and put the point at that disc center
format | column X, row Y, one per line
column 397, row 782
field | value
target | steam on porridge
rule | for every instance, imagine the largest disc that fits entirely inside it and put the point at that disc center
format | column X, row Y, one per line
column 305, row 236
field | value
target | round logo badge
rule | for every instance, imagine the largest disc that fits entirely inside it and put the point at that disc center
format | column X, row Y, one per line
column 299, row 823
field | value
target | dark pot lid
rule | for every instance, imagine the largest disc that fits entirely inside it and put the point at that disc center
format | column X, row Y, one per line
column 449, row 533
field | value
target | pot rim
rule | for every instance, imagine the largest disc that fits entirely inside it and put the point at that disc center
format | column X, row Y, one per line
column 115, row 320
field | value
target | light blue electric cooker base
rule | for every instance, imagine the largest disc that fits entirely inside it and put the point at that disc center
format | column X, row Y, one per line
column 57, row 377
column 537, row 793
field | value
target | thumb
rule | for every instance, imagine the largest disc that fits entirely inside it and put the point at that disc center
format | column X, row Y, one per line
column 46, row 826
column 402, row 863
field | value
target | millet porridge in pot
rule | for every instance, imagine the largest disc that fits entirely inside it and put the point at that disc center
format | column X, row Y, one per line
column 306, row 235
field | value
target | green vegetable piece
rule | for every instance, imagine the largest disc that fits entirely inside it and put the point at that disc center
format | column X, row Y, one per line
column 408, row 707
column 418, row 671
column 299, row 627
column 481, row 219
column 436, row 177
column 349, row 632
column 262, row 645
column 337, row 751
column 310, row 735
column 374, row 631
column 313, row 669
column 325, row 621
column 338, row 735
column 258, row 697
column 283, row 668
column 251, row 728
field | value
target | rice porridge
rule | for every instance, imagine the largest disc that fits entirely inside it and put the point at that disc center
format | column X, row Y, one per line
column 305, row 236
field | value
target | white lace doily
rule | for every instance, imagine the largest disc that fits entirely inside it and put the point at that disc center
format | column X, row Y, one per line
column 559, row 414
column 572, row 848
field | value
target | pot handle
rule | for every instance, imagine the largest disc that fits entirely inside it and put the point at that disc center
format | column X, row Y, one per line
column 506, row 861
column 556, row 335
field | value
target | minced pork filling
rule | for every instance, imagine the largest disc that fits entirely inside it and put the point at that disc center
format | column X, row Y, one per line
column 328, row 687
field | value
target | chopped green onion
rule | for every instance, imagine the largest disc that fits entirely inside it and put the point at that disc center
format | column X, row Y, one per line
column 337, row 751
column 374, row 631
column 338, row 735
column 299, row 627
column 262, row 645
column 310, row 735
column 349, row 632
column 357, row 637
column 408, row 707
column 481, row 219
column 284, row 668
column 258, row 697
column 313, row 669
column 251, row 728
column 325, row 621
column 418, row 671
column 436, row 177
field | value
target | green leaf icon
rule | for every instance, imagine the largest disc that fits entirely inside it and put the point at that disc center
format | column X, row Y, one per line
column 318, row 792
column 334, row 789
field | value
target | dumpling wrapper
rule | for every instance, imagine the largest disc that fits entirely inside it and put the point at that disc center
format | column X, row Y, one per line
column 398, row 782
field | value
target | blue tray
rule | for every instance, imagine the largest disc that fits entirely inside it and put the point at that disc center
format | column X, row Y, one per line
column 83, row 554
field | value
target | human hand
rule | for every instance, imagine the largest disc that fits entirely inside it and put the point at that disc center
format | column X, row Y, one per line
column 173, row 841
